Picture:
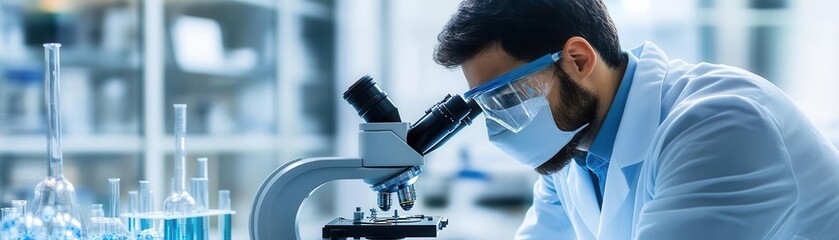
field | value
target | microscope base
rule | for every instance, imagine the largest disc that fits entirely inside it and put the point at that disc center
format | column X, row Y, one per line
column 385, row 227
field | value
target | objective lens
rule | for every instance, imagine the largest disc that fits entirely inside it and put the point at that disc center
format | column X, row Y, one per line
column 384, row 201
column 407, row 195
column 371, row 103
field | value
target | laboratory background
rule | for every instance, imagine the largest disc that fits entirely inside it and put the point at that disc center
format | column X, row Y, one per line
column 263, row 81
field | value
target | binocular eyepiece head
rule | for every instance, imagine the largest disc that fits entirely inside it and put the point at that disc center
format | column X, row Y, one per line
column 439, row 123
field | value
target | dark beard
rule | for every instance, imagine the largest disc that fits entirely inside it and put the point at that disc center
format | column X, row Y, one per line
column 577, row 106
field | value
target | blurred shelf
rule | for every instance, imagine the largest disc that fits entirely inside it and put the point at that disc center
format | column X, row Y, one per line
column 259, row 3
column 37, row 144
column 248, row 143
column 224, row 73
column 314, row 9
column 751, row 17
column 15, row 61
column 102, row 60
column 262, row 3
column 34, row 144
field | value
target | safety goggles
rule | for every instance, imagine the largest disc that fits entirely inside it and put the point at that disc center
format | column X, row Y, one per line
column 513, row 99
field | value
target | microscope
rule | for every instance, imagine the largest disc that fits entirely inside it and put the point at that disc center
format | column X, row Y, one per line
column 390, row 160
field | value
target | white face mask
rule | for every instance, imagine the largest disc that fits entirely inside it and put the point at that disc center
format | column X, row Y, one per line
column 534, row 144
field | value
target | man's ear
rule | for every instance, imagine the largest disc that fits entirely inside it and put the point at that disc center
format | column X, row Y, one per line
column 578, row 58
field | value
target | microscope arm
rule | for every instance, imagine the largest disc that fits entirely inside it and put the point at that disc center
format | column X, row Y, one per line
column 277, row 203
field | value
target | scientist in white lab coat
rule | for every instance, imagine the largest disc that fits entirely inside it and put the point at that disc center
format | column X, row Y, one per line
column 635, row 145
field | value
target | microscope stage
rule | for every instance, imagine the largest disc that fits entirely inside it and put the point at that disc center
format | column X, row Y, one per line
column 385, row 227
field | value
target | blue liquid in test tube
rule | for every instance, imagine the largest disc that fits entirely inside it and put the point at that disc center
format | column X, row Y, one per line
column 133, row 201
column 224, row 219
column 145, row 205
column 200, row 189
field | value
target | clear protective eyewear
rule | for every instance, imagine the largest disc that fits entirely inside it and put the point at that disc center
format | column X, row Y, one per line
column 513, row 99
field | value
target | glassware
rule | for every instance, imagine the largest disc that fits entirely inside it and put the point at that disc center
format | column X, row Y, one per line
column 200, row 185
column 200, row 188
column 56, row 222
column 224, row 219
column 11, row 225
column 146, row 201
column 96, row 210
column 20, row 205
column 179, row 202
column 105, row 228
column 133, row 208
column 115, row 228
column 95, row 226
column 146, row 229
column 110, row 227
column 55, row 191
column 113, row 194
column 201, row 225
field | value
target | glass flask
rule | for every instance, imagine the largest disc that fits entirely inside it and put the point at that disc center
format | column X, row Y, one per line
column 55, row 191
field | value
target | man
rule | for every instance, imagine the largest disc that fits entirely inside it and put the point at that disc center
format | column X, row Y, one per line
column 634, row 145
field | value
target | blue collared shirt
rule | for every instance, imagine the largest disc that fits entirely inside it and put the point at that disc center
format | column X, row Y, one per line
column 600, row 152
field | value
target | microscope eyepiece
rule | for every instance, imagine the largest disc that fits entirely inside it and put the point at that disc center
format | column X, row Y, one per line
column 371, row 102
column 440, row 122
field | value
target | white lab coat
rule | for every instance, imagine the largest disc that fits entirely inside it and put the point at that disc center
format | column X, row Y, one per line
column 703, row 151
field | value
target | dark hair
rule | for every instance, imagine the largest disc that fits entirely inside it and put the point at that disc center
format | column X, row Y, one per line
column 526, row 29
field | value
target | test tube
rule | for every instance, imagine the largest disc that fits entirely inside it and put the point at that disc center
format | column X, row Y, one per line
column 202, row 168
column 145, row 204
column 201, row 224
column 96, row 227
column 151, row 206
column 8, row 213
column 133, row 201
column 10, row 226
column 20, row 205
column 18, row 210
column 180, row 147
column 151, row 201
column 96, row 211
column 224, row 219
column 113, row 186
column 200, row 187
